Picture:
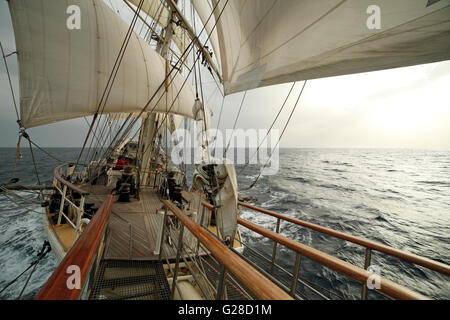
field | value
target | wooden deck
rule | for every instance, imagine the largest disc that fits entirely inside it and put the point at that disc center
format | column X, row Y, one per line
column 133, row 227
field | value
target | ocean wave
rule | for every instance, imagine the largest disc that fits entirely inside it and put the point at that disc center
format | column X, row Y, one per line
column 300, row 179
column 336, row 187
column 371, row 204
column 441, row 183
column 336, row 170
column 338, row 163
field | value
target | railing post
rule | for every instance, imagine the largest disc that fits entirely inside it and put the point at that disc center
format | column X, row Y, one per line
column 366, row 266
column 177, row 261
column 154, row 180
column 221, row 284
column 80, row 212
column 202, row 216
column 295, row 274
column 274, row 252
column 61, row 207
column 160, row 237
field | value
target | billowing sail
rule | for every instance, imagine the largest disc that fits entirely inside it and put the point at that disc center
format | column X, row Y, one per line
column 204, row 11
column 64, row 69
column 266, row 42
column 172, row 121
column 156, row 10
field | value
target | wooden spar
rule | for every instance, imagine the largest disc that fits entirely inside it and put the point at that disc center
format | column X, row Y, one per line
column 81, row 255
column 160, row 39
column 167, row 78
column 388, row 287
column 194, row 37
column 143, row 20
column 58, row 177
column 406, row 256
column 252, row 279
column 20, row 187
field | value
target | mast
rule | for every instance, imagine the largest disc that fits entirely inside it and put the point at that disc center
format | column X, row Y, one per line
column 175, row 10
column 148, row 129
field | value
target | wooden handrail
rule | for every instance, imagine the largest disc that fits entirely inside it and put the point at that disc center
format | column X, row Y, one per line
column 67, row 183
column 388, row 287
column 252, row 279
column 81, row 255
column 406, row 256
column 208, row 205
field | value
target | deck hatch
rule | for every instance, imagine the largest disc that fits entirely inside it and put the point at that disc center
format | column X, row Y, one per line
column 130, row 280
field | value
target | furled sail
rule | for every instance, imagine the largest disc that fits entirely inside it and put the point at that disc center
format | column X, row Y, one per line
column 64, row 71
column 204, row 11
column 266, row 42
column 172, row 121
column 156, row 10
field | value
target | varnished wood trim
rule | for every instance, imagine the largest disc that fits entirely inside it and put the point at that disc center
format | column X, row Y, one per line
column 406, row 256
column 67, row 183
column 252, row 279
column 81, row 255
column 388, row 287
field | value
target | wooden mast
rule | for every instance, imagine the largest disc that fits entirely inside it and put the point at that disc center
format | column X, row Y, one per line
column 148, row 131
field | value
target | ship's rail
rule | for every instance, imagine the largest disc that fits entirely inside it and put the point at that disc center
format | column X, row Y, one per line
column 69, row 192
column 258, row 285
column 71, row 278
column 359, row 274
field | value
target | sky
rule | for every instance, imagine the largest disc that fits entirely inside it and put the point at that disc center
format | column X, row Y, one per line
column 397, row 108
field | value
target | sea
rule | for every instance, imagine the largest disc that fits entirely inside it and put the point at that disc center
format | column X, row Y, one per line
column 397, row 197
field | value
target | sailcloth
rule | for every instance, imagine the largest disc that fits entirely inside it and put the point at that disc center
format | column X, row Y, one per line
column 64, row 71
column 266, row 42
column 204, row 11
column 156, row 10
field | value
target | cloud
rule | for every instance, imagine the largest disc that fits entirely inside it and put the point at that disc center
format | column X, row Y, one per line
column 404, row 107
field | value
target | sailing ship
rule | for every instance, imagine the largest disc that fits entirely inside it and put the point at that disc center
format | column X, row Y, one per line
column 121, row 218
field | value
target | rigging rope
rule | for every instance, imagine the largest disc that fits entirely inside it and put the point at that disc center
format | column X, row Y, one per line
column 279, row 139
column 18, row 156
column 6, row 190
column 10, row 85
column 111, row 78
column 217, row 128
column 45, row 151
column 271, row 126
column 20, row 205
column 118, row 62
column 187, row 50
column 46, row 248
column 195, row 60
column 235, row 122
column 34, row 161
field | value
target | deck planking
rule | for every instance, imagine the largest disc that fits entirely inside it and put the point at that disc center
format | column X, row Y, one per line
column 133, row 226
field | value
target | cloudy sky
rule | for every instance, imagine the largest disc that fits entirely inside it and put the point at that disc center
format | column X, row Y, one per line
column 399, row 108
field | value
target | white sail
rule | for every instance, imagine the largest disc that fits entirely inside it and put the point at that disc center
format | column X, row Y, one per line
column 160, row 14
column 155, row 9
column 172, row 121
column 63, row 71
column 204, row 11
column 266, row 42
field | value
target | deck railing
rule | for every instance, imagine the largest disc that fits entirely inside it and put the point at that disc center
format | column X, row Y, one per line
column 361, row 275
column 67, row 190
column 70, row 279
column 254, row 281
